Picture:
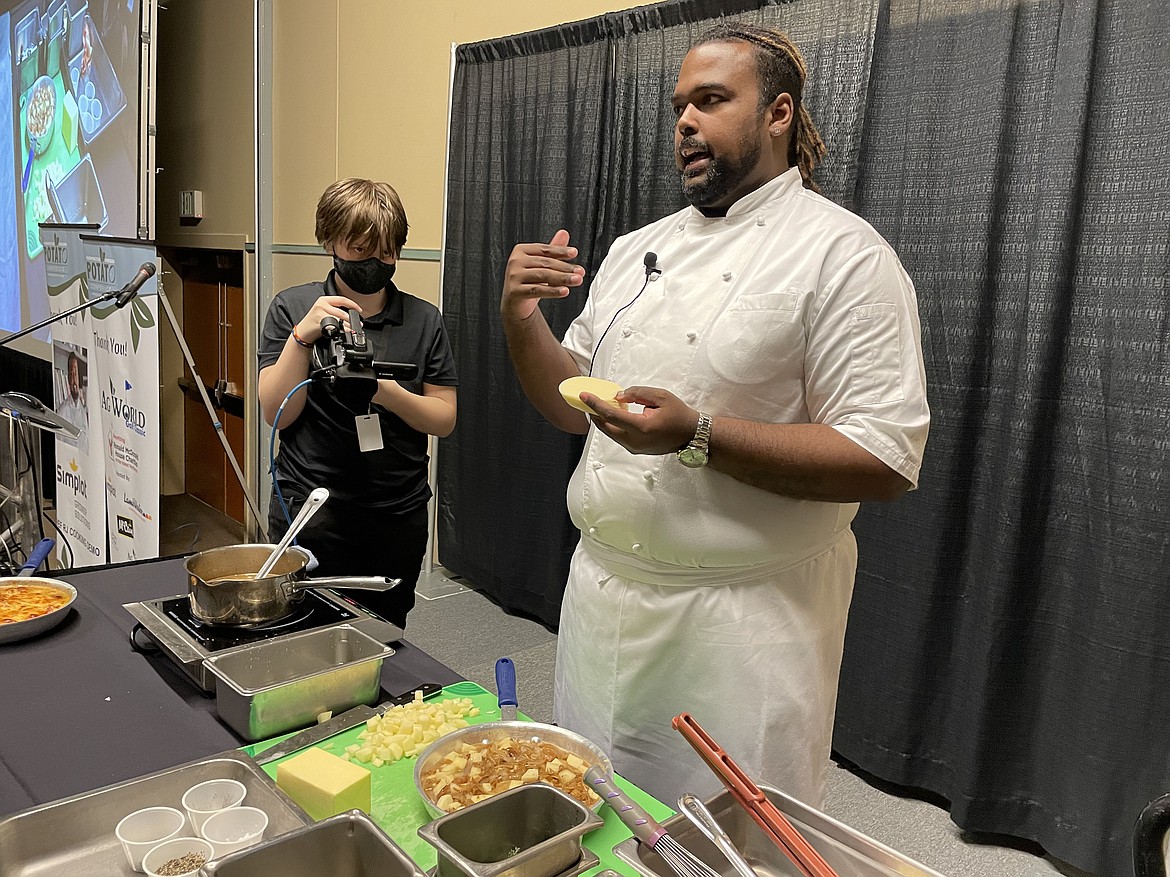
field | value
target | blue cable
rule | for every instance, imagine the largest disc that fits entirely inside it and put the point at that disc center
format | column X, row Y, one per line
column 272, row 450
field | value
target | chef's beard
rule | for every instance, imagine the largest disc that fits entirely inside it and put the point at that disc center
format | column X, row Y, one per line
column 722, row 176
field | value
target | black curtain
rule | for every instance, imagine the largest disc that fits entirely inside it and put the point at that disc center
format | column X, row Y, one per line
column 1008, row 639
column 571, row 127
column 1007, row 646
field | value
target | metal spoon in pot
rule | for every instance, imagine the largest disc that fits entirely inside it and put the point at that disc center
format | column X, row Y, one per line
column 314, row 502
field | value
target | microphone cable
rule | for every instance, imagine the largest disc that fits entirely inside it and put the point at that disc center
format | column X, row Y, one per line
column 650, row 260
column 272, row 450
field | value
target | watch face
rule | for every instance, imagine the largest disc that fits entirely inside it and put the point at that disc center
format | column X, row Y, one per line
column 692, row 457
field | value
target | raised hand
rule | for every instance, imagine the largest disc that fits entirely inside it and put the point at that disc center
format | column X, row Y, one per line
column 309, row 328
column 537, row 271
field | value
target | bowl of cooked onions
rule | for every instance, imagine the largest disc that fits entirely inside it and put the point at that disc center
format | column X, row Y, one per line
column 30, row 605
column 40, row 114
column 476, row 762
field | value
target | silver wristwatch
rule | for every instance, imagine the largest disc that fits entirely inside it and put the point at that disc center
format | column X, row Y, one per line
column 694, row 455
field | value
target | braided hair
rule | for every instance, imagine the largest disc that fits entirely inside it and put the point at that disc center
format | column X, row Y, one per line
column 781, row 69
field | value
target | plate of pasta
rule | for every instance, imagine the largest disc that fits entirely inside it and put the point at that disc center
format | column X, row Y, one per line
column 32, row 605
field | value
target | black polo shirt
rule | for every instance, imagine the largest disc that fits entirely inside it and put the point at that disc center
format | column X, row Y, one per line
column 320, row 448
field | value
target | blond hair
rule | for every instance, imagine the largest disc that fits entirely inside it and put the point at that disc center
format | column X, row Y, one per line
column 357, row 211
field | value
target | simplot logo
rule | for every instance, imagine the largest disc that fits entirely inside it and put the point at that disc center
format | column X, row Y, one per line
column 70, row 479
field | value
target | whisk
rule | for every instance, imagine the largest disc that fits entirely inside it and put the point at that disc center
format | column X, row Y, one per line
column 682, row 861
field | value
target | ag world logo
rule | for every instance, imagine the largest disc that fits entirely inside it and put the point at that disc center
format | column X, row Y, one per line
column 69, row 478
column 123, row 410
column 125, row 526
column 56, row 251
column 100, row 270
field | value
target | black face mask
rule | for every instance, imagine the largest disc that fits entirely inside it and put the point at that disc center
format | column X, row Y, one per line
column 367, row 276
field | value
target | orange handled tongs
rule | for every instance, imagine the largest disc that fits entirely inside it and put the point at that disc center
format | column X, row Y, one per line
column 775, row 824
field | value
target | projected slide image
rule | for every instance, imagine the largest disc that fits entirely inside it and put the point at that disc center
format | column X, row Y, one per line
column 73, row 71
column 71, row 390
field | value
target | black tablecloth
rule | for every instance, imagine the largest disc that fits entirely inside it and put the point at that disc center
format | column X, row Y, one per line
column 80, row 709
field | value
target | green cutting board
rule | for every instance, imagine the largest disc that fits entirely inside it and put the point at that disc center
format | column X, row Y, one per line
column 57, row 161
column 398, row 808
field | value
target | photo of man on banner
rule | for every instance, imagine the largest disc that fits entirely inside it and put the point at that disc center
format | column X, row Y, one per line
column 70, row 389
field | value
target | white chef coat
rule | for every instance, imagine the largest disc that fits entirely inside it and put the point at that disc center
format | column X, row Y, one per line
column 75, row 413
column 692, row 590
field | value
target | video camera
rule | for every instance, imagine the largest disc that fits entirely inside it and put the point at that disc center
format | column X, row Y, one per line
column 343, row 359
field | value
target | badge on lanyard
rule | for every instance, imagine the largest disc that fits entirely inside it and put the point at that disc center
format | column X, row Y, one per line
column 369, row 431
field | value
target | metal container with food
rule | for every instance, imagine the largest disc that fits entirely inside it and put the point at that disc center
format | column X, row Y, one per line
column 286, row 682
column 483, row 736
column 31, row 605
column 347, row 845
column 846, row 850
column 529, row 831
column 223, row 588
column 76, row 835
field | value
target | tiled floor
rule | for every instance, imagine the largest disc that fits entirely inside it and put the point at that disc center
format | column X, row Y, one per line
column 468, row 632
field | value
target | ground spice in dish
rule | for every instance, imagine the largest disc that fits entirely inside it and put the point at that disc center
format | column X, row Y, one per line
column 182, row 865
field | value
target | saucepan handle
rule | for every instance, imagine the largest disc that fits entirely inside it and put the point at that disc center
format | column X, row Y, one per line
column 359, row 583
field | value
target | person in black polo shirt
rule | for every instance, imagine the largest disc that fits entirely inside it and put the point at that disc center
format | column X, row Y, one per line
column 375, row 521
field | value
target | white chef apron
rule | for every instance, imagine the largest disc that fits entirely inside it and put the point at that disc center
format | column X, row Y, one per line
column 755, row 661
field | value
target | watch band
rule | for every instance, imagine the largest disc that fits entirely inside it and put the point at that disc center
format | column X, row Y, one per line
column 697, row 450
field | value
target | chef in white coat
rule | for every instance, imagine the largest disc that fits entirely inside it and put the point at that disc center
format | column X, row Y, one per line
column 768, row 345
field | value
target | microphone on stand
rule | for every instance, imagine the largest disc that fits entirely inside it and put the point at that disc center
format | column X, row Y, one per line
column 127, row 292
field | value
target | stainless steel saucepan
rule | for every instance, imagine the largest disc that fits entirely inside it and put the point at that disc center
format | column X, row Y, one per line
column 222, row 587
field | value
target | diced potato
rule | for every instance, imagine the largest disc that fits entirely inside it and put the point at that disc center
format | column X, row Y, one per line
column 405, row 730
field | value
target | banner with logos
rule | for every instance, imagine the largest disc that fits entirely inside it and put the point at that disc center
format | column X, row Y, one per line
column 80, row 460
column 126, row 382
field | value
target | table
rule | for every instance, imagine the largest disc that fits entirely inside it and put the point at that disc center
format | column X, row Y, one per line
column 81, row 709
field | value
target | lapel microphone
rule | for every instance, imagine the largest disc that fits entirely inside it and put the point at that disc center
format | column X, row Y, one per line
column 650, row 260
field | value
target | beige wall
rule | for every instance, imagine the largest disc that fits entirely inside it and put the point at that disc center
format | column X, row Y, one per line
column 361, row 89
column 205, row 119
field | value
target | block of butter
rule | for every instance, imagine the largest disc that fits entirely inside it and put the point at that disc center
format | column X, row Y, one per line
column 572, row 388
column 69, row 123
column 323, row 784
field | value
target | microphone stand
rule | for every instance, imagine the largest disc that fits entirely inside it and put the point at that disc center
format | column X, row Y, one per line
column 112, row 295
column 215, row 421
column 93, row 302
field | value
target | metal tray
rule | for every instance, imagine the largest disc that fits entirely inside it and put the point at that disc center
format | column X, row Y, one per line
column 78, row 196
column 848, row 851
column 107, row 90
column 529, row 831
column 347, row 845
column 74, row 837
column 285, row 683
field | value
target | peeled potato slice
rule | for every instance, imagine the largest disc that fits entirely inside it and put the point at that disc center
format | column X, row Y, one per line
column 572, row 388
